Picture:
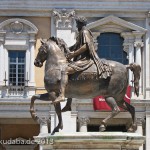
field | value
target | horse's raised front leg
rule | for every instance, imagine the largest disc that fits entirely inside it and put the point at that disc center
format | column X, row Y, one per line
column 43, row 97
column 47, row 97
column 115, row 110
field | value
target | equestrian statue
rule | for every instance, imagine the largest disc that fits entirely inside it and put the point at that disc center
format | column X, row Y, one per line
column 78, row 72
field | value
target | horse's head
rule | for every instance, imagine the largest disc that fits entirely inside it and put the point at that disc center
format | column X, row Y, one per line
column 42, row 54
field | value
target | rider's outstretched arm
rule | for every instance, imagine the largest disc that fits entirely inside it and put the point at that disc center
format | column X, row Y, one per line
column 78, row 51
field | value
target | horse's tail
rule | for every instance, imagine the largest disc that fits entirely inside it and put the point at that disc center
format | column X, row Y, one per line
column 136, row 69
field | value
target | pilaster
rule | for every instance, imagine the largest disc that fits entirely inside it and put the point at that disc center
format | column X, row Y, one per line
column 63, row 25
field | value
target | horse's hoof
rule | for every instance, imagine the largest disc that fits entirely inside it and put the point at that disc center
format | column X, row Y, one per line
column 130, row 130
column 102, row 128
column 52, row 133
column 57, row 129
column 134, row 126
column 31, row 110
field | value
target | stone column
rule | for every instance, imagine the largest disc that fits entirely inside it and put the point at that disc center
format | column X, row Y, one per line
column 138, row 44
column 140, row 129
column 148, row 128
column 128, row 47
column 146, row 68
column 83, row 124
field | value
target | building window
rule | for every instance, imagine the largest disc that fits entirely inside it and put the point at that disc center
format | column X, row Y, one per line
column 110, row 46
column 17, row 68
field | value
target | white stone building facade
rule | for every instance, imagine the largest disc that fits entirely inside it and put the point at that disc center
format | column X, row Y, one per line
column 19, row 31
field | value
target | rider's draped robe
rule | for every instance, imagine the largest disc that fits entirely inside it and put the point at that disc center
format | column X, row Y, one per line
column 86, row 58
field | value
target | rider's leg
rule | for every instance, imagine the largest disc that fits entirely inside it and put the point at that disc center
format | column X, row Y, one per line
column 63, row 83
column 67, row 106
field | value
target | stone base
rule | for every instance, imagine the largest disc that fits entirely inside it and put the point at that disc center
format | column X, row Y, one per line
column 91, row 140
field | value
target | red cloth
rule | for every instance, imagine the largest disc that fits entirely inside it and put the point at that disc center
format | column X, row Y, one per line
column 100, row 104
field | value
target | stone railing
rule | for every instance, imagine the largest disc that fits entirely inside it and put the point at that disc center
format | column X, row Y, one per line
column 14, row 91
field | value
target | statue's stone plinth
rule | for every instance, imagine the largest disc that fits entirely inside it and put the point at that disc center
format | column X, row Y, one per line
column 91, row 140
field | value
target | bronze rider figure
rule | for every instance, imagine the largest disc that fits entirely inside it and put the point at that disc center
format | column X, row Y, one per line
column 83, row 54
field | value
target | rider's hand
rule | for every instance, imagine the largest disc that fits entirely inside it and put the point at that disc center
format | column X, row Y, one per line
column 70, row 55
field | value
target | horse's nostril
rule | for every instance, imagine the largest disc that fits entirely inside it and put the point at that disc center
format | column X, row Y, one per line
column 36, row 62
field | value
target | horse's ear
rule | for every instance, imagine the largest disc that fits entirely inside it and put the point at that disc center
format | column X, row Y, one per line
column 42, row 41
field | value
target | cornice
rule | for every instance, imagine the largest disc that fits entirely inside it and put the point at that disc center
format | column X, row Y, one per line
column 117, row 21
column 44, row 7
column 133, row 5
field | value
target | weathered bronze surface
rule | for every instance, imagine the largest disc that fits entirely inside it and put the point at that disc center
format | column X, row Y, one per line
column 88, row 75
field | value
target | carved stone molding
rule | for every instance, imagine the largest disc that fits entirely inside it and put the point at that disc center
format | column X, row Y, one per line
column 138, row 39
column 2, row 36
column 43, row 120
column 95, row 38
column 128, row 40
column 1, row 40
column 140, row 121
column 96, row 35
column 126, row 47
column 138, row 44
column 16, row 27
column 63, row 18
column 83, row 120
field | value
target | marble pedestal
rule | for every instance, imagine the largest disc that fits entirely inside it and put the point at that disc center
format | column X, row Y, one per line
column 91, row 140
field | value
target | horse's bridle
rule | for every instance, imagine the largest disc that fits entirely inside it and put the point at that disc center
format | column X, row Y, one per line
column 44, row 48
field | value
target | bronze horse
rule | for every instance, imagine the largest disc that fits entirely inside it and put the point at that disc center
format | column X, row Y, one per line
column 113, row 89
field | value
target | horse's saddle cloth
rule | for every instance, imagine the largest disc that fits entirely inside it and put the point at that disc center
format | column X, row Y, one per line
column 89, row 73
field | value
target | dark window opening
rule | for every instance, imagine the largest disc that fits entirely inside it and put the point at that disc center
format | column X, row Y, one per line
column 110, row 46
column 109, row 128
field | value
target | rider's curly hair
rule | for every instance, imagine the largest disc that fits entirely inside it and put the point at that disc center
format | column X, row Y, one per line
column 81, row 19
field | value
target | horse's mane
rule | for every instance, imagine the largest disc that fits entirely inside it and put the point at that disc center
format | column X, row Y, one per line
column 61, row 44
